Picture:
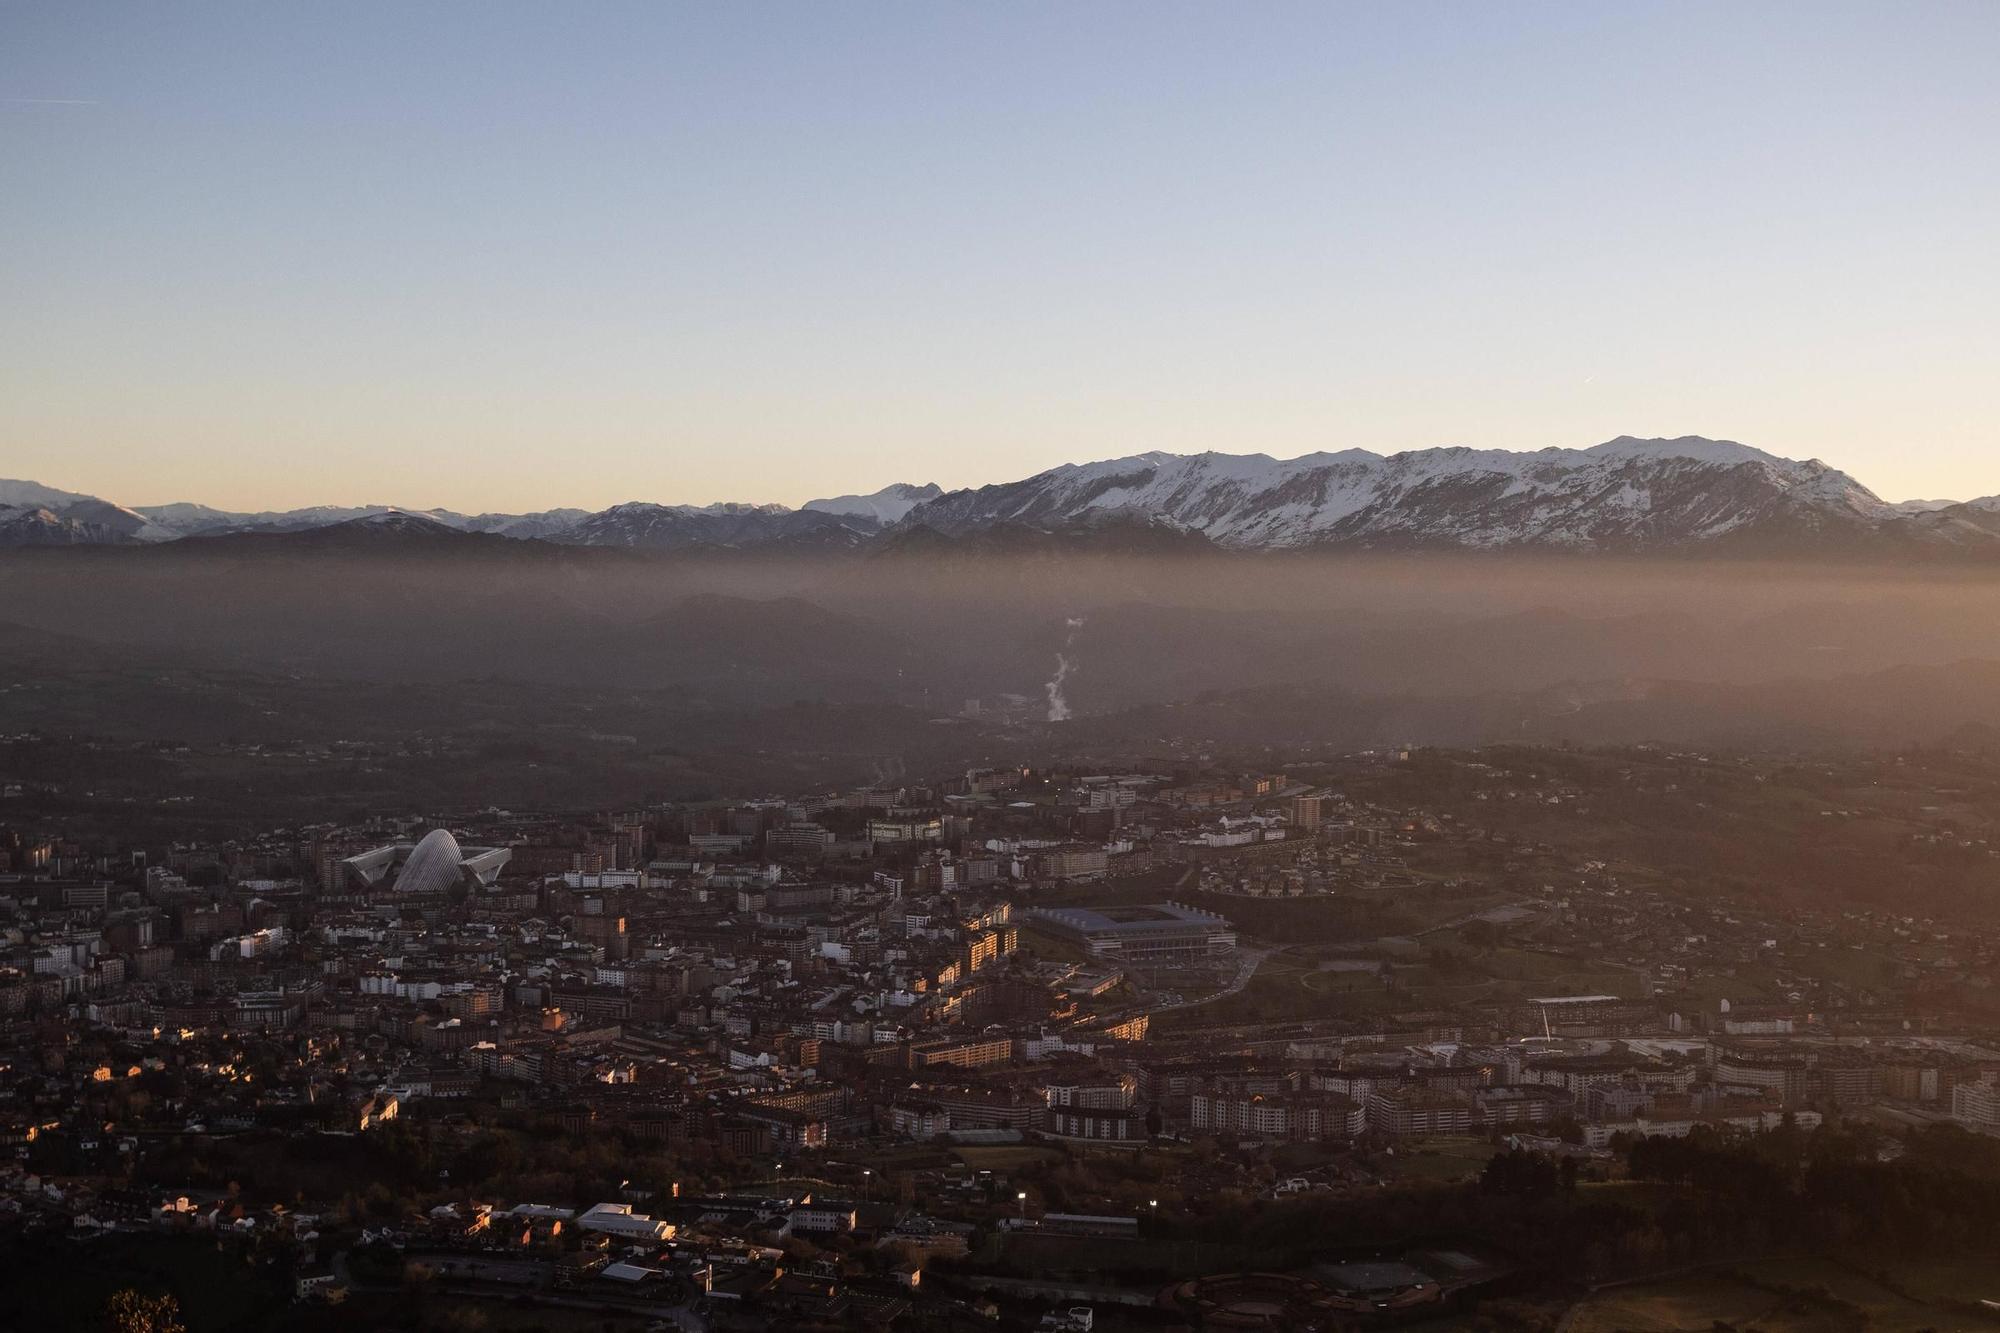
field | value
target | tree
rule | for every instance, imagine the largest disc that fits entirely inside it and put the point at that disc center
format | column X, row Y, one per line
column 1525, row 1174
column 134, row 1312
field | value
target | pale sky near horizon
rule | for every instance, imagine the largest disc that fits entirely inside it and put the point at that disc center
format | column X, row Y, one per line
column 501, row 256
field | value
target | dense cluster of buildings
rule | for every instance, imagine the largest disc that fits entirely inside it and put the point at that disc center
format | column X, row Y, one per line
column 984, row 961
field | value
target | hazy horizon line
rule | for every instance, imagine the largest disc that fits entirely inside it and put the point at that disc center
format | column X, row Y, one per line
column 545, row 506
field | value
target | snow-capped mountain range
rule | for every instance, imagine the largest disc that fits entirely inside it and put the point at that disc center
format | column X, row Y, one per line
column 1626, row 495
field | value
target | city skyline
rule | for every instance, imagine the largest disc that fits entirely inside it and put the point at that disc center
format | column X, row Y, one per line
column 504, row 261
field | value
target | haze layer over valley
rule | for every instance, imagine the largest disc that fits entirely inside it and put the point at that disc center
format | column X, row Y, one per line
column 1676, row 591
column 1386, row 650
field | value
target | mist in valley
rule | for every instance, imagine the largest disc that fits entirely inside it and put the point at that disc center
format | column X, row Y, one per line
column 1432, row 649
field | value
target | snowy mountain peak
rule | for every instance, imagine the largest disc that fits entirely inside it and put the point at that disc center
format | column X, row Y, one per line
column 400, row 521
column 33, row 495
column 887, row 505
column 38, row 525
column 1693, row 448
column 644, row 526
column 1625, row 494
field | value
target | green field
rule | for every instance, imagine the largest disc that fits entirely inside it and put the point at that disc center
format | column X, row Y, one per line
column 1010, row 1157
column 1863, row 1294
column 1290, row 987
column 1282, row 990
column 1694, row 1303
column 1442, row 1159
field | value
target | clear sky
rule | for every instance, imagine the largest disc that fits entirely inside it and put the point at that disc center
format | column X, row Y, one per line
column 500, row 256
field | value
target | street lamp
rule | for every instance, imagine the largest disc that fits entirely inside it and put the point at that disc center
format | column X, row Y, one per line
column 1022, row 1197
column 865, row 1174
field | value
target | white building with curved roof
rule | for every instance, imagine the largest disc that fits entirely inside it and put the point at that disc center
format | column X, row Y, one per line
column 433, row 864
